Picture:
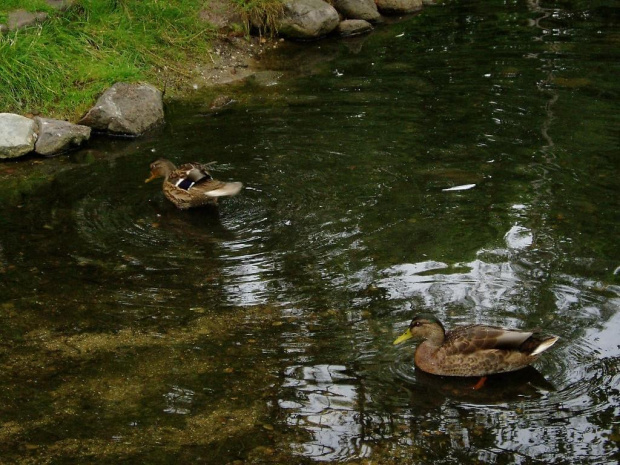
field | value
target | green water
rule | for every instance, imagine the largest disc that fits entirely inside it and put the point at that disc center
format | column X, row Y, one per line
column 132, row 332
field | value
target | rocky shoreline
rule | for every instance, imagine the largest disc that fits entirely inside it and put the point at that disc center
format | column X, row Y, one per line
column 130, row 109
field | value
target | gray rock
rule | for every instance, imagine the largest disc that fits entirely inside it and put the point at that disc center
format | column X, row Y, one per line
column 126, row 109
column 354, row 27
column 307, row 19
column 60, row 5
column 56, row 136
column 358, row 9
column 17, row 135
column 19, row 19
column 4, row 28
column 398, row 6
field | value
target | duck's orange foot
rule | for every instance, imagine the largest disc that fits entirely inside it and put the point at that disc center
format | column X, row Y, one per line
column 480, row 383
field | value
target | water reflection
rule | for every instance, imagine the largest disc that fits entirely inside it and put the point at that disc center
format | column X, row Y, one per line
column 178, row 400
column 338, row 410
column 327, row 405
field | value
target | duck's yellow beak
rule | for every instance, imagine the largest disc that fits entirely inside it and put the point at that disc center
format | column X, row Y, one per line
column 153, row 176
column 406, row 335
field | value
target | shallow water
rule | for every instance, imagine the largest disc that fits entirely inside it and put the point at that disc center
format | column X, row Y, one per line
column 262, row 333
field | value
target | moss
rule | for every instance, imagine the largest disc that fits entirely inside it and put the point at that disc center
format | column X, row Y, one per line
column 137, row 402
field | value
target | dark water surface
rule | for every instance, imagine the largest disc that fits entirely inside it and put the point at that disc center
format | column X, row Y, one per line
column 135, row 333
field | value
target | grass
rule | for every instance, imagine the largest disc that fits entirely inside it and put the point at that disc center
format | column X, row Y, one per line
column 59, row 68
column 28, row 5
column 261, row 14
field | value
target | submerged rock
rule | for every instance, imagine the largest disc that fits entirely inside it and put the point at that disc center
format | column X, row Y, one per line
column 398, row 6
column 307, row 19
column 126, row 109
column 17, row 135
column 358, row 9
column 354, row 27
column 220, row 102
column 56, row 136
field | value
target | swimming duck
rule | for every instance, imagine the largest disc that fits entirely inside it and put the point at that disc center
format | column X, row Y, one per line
column 191, row 185
column 475, row 350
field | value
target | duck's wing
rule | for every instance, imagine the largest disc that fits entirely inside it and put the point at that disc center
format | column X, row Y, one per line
column 215, row 188
column 469, row 339
column 195, row 177
column 194, row 171
column 189, row 175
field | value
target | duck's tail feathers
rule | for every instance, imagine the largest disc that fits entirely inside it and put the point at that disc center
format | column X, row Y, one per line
column 544, row 345
column 228, row 189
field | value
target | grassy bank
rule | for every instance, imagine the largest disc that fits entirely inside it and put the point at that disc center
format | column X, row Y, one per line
column 60, row 67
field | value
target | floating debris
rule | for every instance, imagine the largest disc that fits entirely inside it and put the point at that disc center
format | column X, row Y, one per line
column 464, row 187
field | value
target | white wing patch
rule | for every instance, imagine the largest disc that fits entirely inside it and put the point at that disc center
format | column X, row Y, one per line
column 230, row 188
column 545, row 345
column 513, row 338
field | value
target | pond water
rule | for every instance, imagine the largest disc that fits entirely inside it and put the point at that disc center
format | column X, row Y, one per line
column 132, row 332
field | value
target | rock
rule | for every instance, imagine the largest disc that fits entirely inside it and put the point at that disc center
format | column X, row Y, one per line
column 126, row 109
column 60, row 5
column 307, row 19
column 4, row 28
column 222, row 14
column 19, row 19
column 266, row 78
column 220, row 102
column 398, row 6
column 56, row 136
column 358, row 9
column 17, row 135
column 354, row 27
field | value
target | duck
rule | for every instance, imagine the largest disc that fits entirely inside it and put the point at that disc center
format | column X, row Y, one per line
column 473, row 350
column 191, row 184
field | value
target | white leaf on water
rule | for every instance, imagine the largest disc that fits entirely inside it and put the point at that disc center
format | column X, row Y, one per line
column 519, row 237
column 464, row 187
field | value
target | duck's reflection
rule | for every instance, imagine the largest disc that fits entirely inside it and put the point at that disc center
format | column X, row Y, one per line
column 426, row 389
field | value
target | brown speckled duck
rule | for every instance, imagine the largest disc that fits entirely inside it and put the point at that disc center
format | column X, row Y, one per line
column 191, row 185
column 475, row 350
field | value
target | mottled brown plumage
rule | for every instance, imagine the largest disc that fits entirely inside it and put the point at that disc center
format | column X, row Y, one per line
column 191, row 185
column 475, row 350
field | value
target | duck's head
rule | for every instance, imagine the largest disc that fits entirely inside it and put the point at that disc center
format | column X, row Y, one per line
column 160, row 169
column 423, row 326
